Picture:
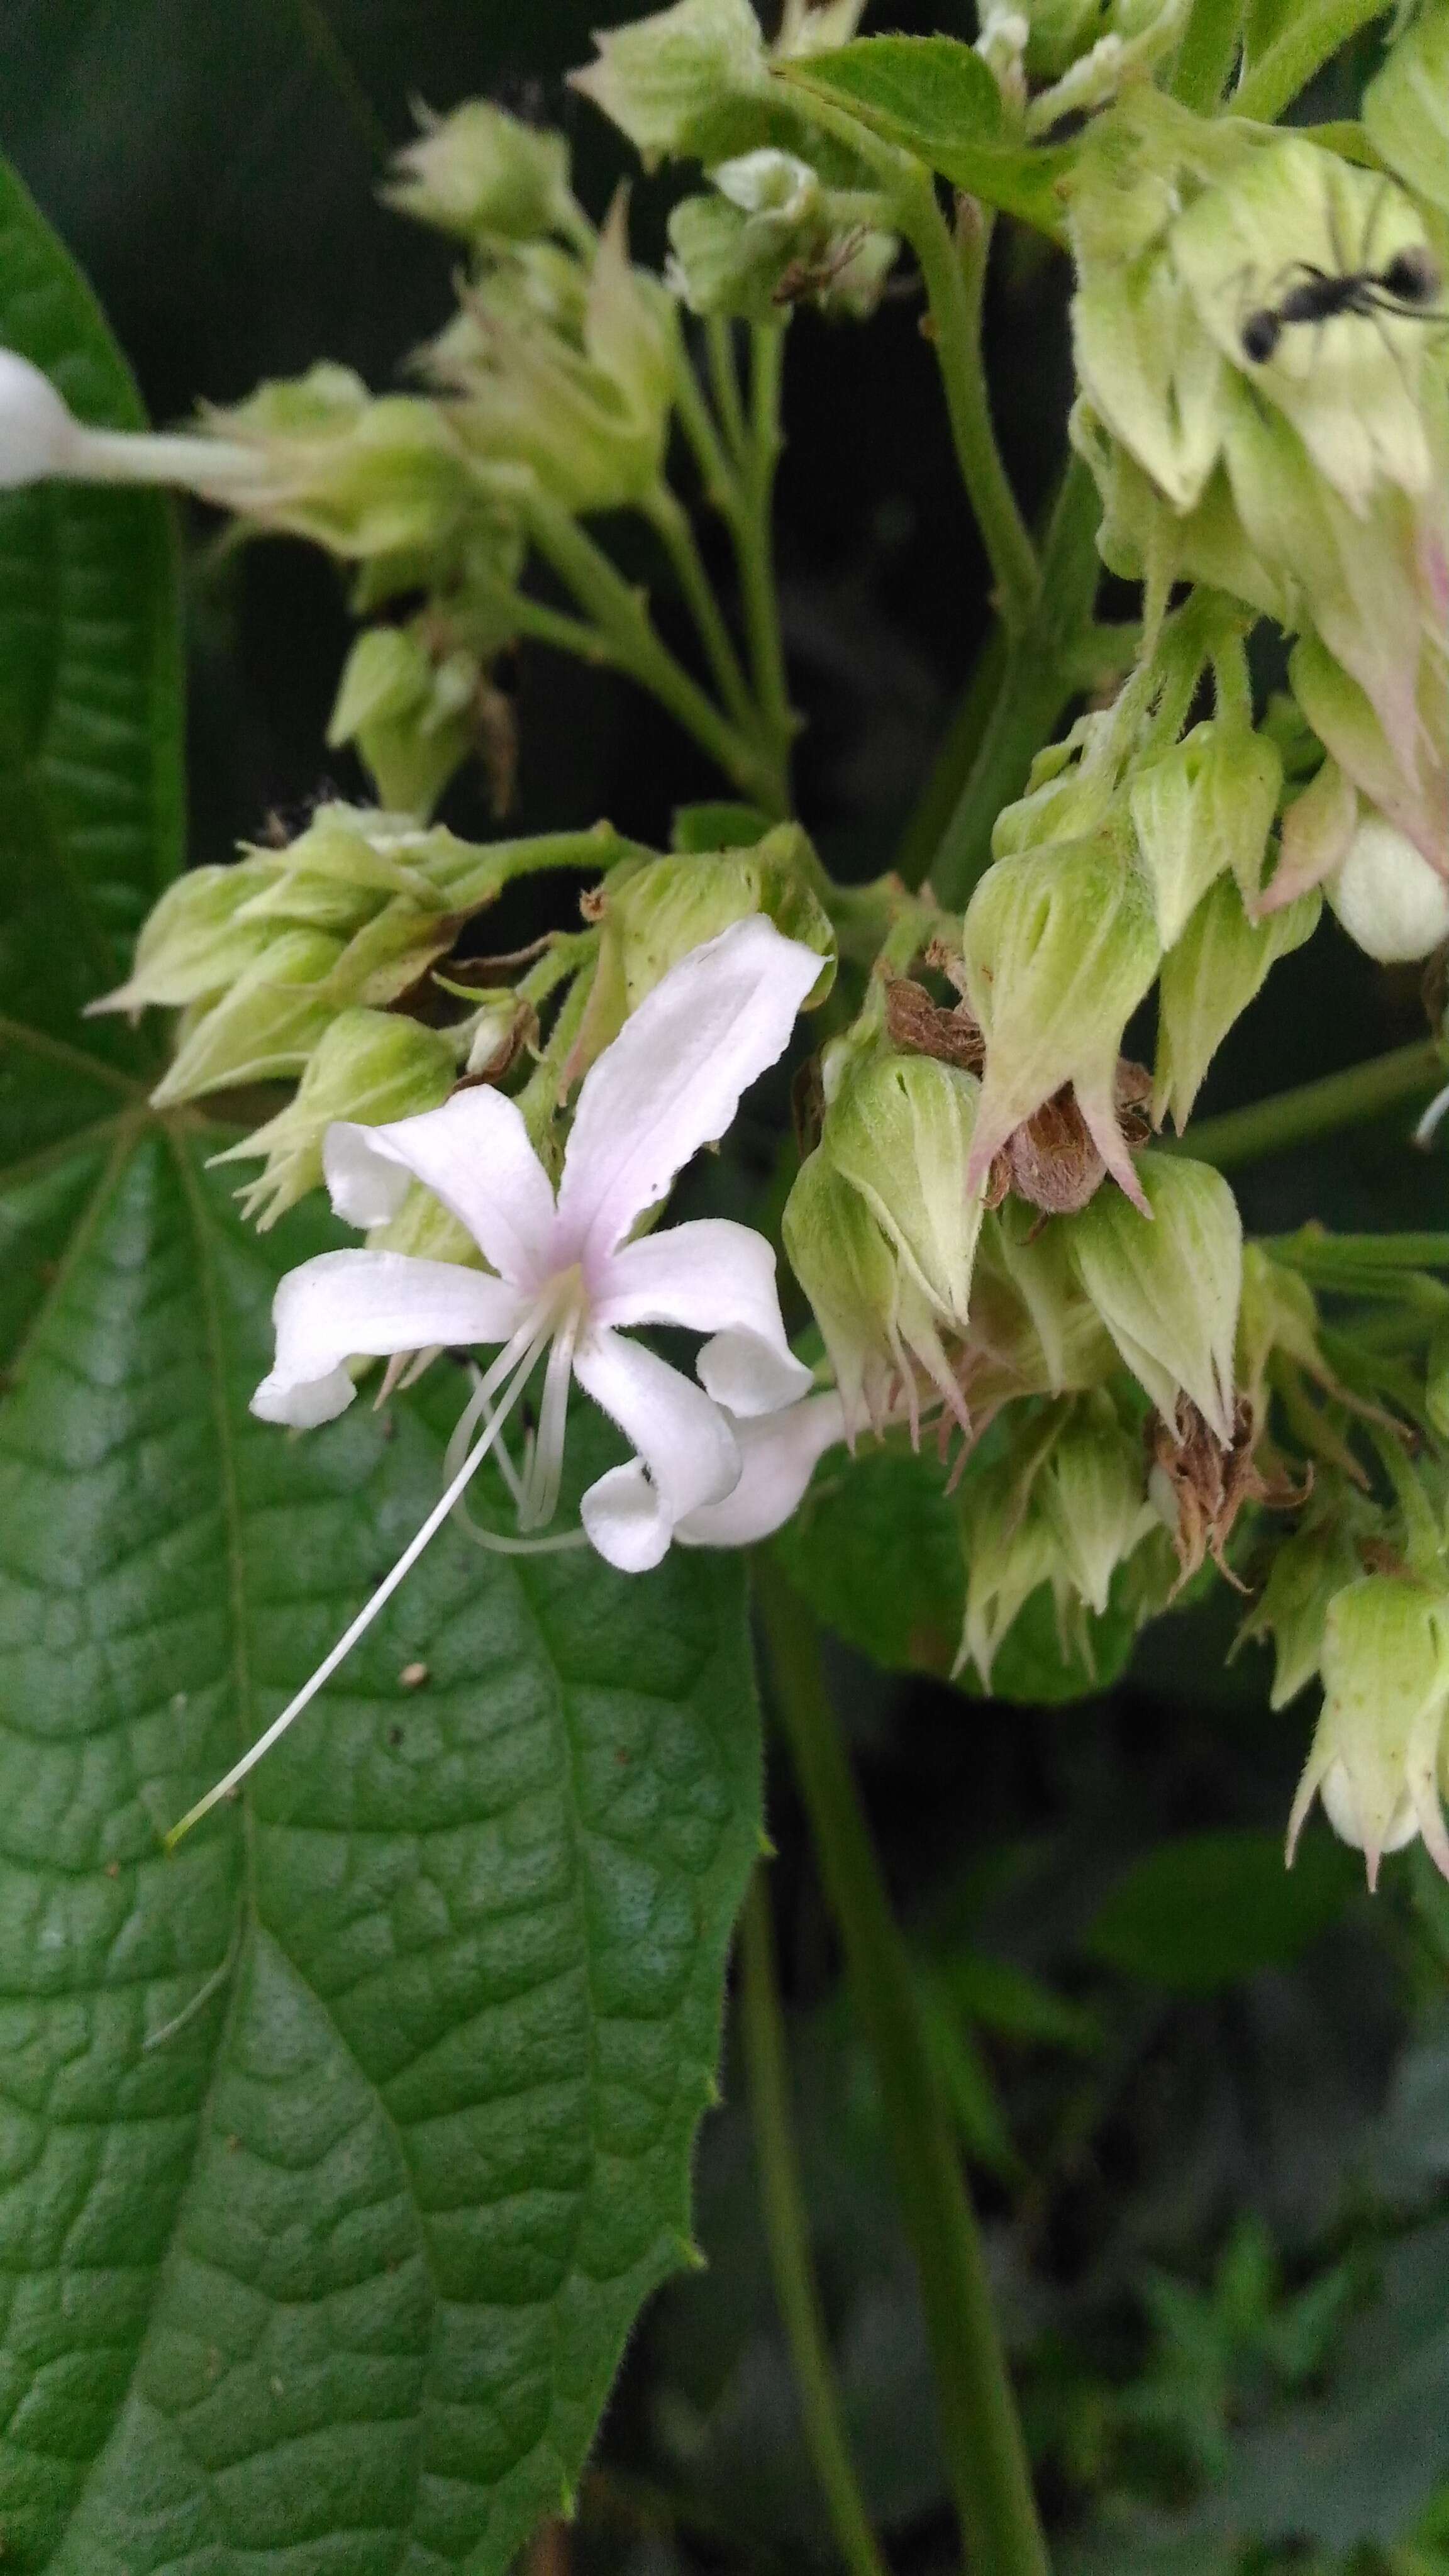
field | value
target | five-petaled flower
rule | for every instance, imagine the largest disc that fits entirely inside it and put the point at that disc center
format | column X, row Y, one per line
column 568, row 1272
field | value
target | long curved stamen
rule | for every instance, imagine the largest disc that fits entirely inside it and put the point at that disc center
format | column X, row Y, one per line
column 546, row 1469
column 524, row 1349
column 496, row 1541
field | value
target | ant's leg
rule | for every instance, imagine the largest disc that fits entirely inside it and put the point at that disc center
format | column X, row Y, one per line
column 1381, row 199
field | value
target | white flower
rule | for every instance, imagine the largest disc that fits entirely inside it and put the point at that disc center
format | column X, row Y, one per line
column 565, row 1277
column 778, row 1454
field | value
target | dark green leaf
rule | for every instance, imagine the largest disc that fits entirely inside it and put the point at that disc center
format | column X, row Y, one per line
column 1205, row 1910
column 876, row 1553
column 337, row 2153
column 935, row 97
column 90, row 766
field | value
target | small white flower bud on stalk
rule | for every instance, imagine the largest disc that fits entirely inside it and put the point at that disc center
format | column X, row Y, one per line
column 1388, row 898
column 667, row 80
column 484, row 174
column 1375, row 1756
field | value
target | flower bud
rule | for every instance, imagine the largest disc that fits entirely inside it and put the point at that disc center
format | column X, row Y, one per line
column 1168, row 1290
column 264, row 1026
column 1389, row 900
column 578, row 386
column 38, row 435
column 846, row 1269
column 362, row 476
column 1204, row 809
column 1033, row 1328
column 1011, row 1550
column 1218, row 966
column 1092, row 1493
column 196, row 940
column 1067, row 795
column 731, row 252
column 1060, row 946
column 368, row 1066
column 411, row 716
column 1309, row 1570
column 665, row 79
column 481, row 173
column 1375, row 1755
column 1277, row 1318
column 899, row 1131
column 1386, row 721
column 655, row 915
column 881, row 1231
column 1349, row 393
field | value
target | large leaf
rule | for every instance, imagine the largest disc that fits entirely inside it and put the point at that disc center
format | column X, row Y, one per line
column 337, row 2153
column 934, row 96
column 1205, row 1910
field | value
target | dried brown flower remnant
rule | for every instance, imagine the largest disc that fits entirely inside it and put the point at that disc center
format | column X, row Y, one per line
column 1209, row 1484
column 1051, row 1161
column 919, row 1026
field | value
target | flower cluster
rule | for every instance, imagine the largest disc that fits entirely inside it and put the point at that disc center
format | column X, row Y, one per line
column 996, row 1244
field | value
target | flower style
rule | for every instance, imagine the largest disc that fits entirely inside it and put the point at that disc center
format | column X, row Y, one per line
column 567, row 1273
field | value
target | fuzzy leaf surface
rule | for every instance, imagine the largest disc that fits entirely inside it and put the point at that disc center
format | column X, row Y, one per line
column 337, row 2153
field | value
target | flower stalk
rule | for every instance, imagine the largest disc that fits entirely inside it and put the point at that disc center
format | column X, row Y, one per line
column 787, row 2226
column 981, row 2437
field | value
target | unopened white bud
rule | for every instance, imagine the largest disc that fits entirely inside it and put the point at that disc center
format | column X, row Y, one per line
column 38, row 436
column 1388, row 898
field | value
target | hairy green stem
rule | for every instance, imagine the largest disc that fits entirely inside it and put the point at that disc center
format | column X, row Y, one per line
column 671, row 522
column 953, row 273
column 981, row 2439
column 1352, row 1099
column 1038, row 678
column 635, row 646
column 755, row 547
column 909, row 189
column 1207, row 53
column 1315, row 31
column 717, row 470
column 762, row 2028
column 724, row 376
column 1329, row 1256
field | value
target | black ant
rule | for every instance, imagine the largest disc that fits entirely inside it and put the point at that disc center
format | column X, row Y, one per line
column 1403, row 288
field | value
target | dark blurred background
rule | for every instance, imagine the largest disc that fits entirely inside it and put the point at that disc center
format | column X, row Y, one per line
column 212, row 164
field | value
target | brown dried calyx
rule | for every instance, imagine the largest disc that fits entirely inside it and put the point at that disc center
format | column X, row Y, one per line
column 1210, row 1484
column 918, row 1026
column 1050, row 1161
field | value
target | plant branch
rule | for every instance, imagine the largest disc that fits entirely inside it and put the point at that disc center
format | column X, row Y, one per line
column 1207, row 53
column 635, row 646
column 753, row 525
column 953, row 268
column 725, row 378
column 981, row 2439
column 1315, row 31
column 762, row 2027
column 671, row 522
column 1039, row 675
column 1352, row 1099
